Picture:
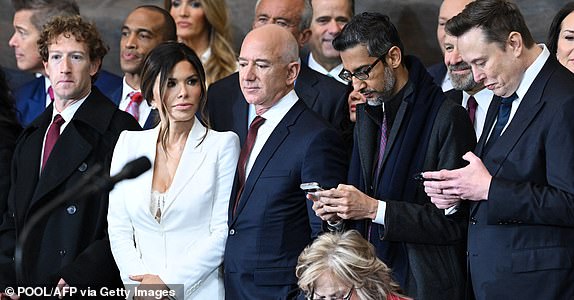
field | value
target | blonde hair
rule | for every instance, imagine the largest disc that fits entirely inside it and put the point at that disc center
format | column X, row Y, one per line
column 350, row 259
column 222, row 61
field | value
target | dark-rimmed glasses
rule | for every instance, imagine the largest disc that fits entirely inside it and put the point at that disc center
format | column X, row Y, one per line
column 313, row 296
column 362, row 74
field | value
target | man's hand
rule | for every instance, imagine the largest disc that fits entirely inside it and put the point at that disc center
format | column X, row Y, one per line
column 63, row 288
column 344, row 202
column 446, row 188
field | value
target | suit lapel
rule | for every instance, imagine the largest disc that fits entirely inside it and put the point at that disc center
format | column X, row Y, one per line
column 488, row 123
column 271, row 145
column 69, row 152
column 454, row 95
column 304, row 86
column 240, row 113
column 191, row 160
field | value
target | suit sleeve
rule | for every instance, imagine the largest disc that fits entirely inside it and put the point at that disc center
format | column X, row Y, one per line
column 207, row 256
column 120, row 229
column 430, row 224
column 531, row 201
column 8, row 237
column 326, row 163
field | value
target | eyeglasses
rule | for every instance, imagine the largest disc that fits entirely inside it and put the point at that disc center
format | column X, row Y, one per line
column 362, row 74
column 313, row 296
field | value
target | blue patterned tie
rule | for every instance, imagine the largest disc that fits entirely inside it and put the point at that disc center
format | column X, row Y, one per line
column 502, row 119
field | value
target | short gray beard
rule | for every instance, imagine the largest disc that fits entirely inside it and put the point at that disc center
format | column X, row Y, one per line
column 389, row 80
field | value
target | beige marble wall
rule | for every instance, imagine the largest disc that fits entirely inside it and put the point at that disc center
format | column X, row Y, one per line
column 415, row 19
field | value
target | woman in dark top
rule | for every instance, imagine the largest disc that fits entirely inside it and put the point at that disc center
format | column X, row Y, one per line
column 9, row 130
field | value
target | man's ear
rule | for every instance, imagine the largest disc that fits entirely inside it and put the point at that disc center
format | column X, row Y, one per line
column 292, row 72
column 95, row 66
column 304, row 37
column 394, row 57
column 515, row 43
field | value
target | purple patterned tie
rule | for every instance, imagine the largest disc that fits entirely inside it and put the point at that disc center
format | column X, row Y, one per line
column 133, row 107
column 383, row 143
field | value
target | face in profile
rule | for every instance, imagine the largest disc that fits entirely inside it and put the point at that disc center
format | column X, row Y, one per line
column 380, row 84
column 329, row 18
column 141, row 32
column 565, row 49
column 182, row 94
column 189, row 18
column 70, row 68
column 24, row 41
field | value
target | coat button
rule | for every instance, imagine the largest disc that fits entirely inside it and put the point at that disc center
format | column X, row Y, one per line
column 473, row 221
column 62, row 252
column 83, row 167
column 231, row 231
column 71, row 209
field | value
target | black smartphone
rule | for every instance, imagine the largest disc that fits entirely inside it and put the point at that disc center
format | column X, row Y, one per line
column 310, row 187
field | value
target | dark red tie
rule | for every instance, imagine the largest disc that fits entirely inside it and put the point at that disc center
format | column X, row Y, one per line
column 52, row 137
column 472, row 105
column 244, row 155
column 133, row 107
column 51, row 93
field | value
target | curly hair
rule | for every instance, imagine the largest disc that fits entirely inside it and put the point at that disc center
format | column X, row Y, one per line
column 68, row 26
column 223, row 60
column 349, row 259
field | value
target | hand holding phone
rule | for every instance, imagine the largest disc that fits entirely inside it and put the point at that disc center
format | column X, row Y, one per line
column 311, row 187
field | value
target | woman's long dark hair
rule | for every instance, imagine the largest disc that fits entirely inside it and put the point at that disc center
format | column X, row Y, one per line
column 160, row 62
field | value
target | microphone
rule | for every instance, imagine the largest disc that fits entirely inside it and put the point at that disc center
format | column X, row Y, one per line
column 90, row 183
column 131, row 170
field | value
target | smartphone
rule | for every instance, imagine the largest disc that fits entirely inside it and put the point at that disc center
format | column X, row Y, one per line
column 310, row 187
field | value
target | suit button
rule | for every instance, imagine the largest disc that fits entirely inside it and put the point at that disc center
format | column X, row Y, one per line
column 71, row 209
column 83, row 167
column 231, row 231
column 473, row 221
column 62, row 252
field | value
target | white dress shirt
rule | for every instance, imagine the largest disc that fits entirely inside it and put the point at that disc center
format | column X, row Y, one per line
column 313, row 64
column 272, row 116
column 483, row 98
column 144, row 108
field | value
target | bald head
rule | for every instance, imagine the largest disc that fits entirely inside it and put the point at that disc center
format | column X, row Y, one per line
column 268, row 66
column 448, row 9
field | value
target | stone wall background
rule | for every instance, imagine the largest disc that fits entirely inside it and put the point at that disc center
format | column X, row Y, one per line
column 416, row 21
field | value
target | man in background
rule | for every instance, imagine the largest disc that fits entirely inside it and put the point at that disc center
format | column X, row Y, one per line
column 144, row 28
column 329, row 17
column 33, row 97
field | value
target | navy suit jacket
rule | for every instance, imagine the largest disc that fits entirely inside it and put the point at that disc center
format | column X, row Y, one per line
column 227, row 106
column 438, row 72
column 152, row 119
column 522, row 235
column 273, row 221
column 31, row 96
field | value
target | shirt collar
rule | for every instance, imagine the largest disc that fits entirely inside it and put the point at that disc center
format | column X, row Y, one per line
column 69, row 111
column 313, row 64
column 276, row 112
column 532, row 71
column 126, row 89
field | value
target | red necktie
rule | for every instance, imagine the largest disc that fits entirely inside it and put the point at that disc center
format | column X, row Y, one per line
column 244, row 155
column 472, row 105
column 51, row 93
column 52, row 137
column 133, row 107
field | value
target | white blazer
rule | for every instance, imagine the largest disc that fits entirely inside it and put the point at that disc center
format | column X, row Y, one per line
column 187, row 246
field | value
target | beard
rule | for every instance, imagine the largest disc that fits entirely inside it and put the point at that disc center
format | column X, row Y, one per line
column 386, row 94
column 461, row 82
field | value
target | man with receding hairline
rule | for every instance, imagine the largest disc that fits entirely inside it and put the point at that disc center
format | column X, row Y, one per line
column 270, row 220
